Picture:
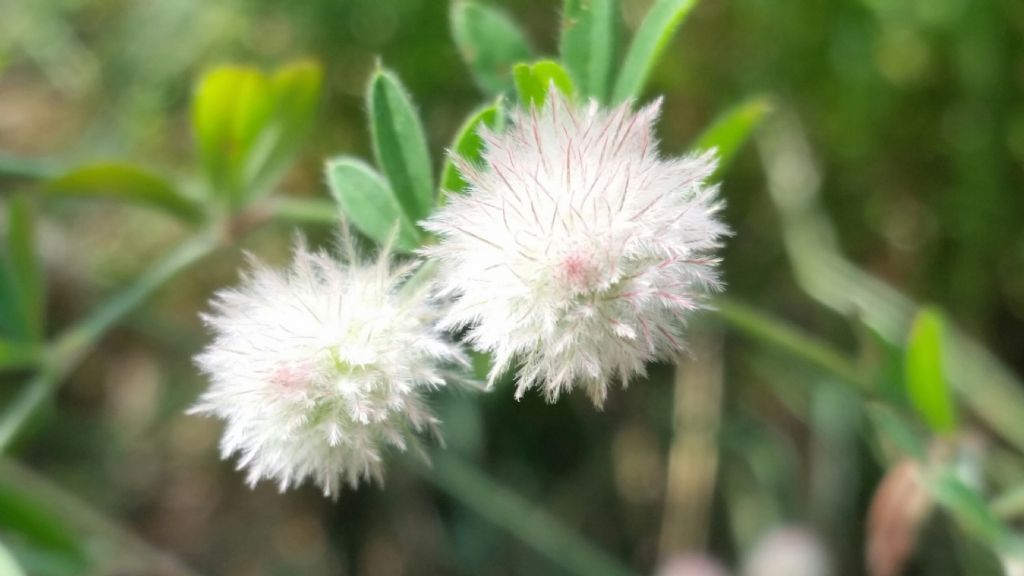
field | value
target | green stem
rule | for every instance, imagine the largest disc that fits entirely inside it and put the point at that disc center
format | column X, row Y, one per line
column 304, row 210
column 520, row 517
column 26, row 403
column 134, row 555
column 1010, row 504
column 784, row 336
column 26, row 168
column 69, row 349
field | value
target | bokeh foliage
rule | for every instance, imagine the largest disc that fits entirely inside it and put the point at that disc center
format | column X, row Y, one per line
column 896, row 138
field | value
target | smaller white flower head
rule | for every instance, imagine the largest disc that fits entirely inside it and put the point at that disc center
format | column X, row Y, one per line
column 318, row 369
column 578, row 250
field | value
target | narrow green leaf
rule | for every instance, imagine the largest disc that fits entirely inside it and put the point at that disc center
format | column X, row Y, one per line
column 8, row 565
column 24, row 276
column 730, row 131
column 15, row 355
column 897, row 433
column 926, row 384
column 649, row 42
column 400, row 145
column 468, row 145
column 971, row 512
column 12, row 324
column 534, row 80
column 370, row 204
column 24, row 517
column 490, row 42
column 589, row 31
column 127, row 183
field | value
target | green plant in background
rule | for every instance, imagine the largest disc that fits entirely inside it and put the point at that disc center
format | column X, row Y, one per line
column 249, row 127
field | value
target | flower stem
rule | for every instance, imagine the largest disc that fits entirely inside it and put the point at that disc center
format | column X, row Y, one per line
column 522, row 518
column 783, row 336
column 26, row 168
column 134, row 555
column 303, row 210
column 71, row 347
column 1010, row 505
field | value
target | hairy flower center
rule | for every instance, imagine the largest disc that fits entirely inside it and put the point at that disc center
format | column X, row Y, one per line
column 578, row 272
column 292, row 377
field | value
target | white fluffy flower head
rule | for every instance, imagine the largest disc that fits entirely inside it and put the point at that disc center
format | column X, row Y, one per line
column 578, row 251
column 318, row 369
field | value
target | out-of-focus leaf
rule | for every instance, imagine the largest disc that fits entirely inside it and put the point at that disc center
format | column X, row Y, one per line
column 650, row 41
column 533, row 81
column 926, row 384
column 490, row 42
column 11, row 324
column 231, row 106
column 8, row 565
column 124, row 182
column 370, row 204
column 400, row 145
column 589, row 30
column 248, row 125
column 15, row 355
column 971, row 512
column 730, row 131
column 36, row 526
column 22, row 277
column 468, row 145
column 296, row 94
column 896, row 433
column 983, row 384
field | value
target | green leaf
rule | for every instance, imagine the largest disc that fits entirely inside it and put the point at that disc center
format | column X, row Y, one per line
column 23, row 289
column 370, row 204
column 14, row 355
column 400, row 145
column 589, row 30
column 490, row 43
column 895, row 432
column 8, row 565
column 926, row 384
column 37, row 526
column 650, row 41
column 468, row 145
column 534, row 80
column 248, row 125
column 124, row 182
column 295, row 90
column 971, row 512
column 731, row 130
column 232, row 104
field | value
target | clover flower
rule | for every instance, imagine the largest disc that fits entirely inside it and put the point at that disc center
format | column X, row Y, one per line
column 578, row 252
column 318, row 369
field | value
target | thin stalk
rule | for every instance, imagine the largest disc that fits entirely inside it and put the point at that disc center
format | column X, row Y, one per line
column 26, row 168
column 522, row 518
column 304, row 210
column 693, row 456
column 135, row 556
column 1010, row 504
column 784, row 336
column 25, row 404
column 69, row 349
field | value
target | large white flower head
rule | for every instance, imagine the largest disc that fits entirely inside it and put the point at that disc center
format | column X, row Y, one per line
column 578, row 251
column 318, row 369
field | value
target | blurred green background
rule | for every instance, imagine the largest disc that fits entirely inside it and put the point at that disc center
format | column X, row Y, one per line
column 913, row 115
